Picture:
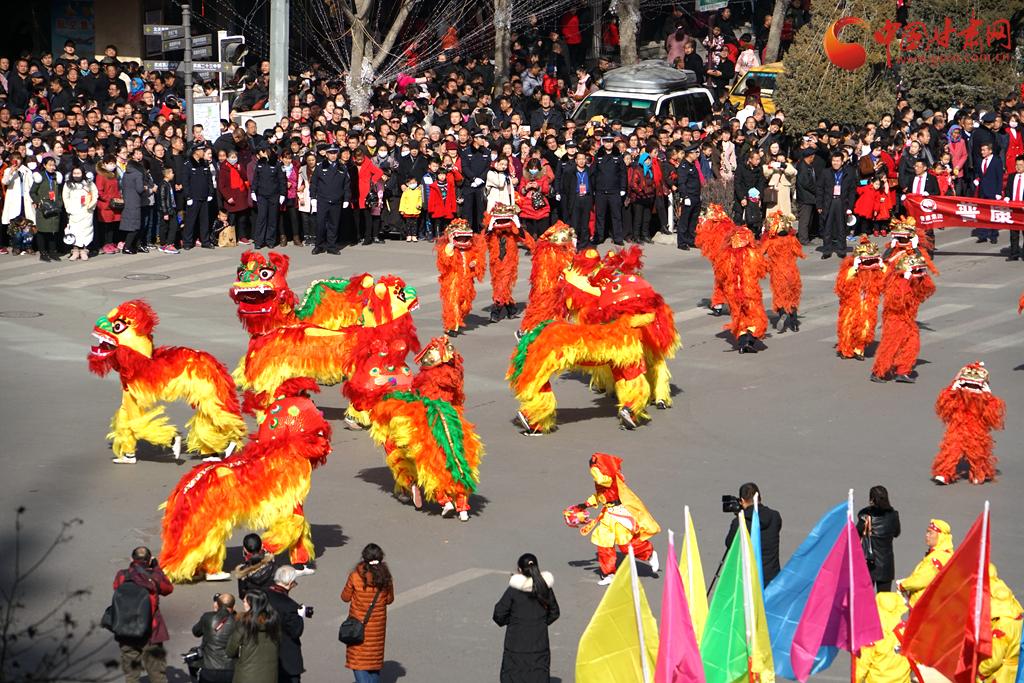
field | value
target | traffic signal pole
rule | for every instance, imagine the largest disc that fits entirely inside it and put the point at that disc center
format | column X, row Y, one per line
column 186, row 23
column 279, row 11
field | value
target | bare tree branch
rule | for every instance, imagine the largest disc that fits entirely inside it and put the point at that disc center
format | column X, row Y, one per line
column 392, row 34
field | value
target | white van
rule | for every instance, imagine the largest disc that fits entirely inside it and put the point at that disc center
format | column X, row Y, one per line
column 632, row 94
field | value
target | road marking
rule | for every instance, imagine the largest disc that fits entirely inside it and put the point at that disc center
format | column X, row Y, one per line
column 53, row 273
column 43, row 344
column 223, row 287
column 184, row 264
column 85, row 282
column 1012, row 339
column 962, row 240
column 445, row 583
column 932, row 314
column 972, row 285
column 969, row 327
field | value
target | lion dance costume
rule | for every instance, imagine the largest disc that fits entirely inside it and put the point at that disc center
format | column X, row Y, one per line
column 906, row 236
column 711, row 236
column 553, row 253
column 971, row 411
column 165, row 373
column 906, row 287
column 622, row 521
column 623, row 325
column 781, row 251
column 740, row 265
column 433, row 452
column 261, row 487
column 928, row 568
column 287, row 339
column 859, row 288
column 461, row 259
column 504, row 234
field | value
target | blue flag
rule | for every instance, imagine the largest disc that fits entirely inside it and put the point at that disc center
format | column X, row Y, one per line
column 755, row 542
column 1020, row 669
column 787, row 594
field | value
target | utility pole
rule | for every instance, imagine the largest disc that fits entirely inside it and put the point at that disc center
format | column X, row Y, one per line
column 186, row 24
column 279, row 11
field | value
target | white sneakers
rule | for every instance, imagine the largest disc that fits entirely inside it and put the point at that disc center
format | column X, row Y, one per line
column 176, row 447
column 218, row 576
column 606, row 580
column 417, row 496
column 124, row 459
column 463, row 516
column 230, row 449
column 304, row 570
column 448, row 509
column 655, row 565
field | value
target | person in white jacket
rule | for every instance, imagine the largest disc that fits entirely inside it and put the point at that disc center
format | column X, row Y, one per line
column 17, row 181
column 500, row 189
column 79, row 196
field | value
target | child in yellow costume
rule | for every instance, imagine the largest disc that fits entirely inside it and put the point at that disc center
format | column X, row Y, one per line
column 1007, row 616
column 940, row 549
column 623, row 521
column 882, row 662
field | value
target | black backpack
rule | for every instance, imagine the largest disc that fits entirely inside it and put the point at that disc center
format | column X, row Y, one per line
column 130, row 614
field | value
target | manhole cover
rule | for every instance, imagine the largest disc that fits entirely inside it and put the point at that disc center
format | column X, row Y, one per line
column 147, row 276
column 20, row 314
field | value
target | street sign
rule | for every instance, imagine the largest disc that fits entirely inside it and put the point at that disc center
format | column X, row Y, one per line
column 163, row 30
column 214, row 67
column 202, row 41
column 173, row 44
column 204, row 52
column 160, row 65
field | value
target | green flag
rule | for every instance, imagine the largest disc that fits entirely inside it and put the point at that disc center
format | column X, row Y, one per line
column 723, row 647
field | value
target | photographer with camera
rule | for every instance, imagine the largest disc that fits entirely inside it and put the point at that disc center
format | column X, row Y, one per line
column 215, row 628
column 135, row 620
column 771, row 526
column 289, row 654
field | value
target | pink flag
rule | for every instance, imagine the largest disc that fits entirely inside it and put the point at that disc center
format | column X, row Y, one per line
column 678, row 657
column 841, row 609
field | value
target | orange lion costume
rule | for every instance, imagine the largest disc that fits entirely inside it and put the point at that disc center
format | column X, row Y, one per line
column 782, row 248
column 906, row 287
column 739, row 269
column 713, row 229
column 461, row 259
column 433, row 452
column 166, row 373
column 623, row 519
column 553, row 253
column 971, row 411
column 859, row 287
column 261, row 487
column 504, row 234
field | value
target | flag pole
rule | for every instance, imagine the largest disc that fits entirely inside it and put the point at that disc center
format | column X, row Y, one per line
column 979, row 588
column 686, row 549
column 748, row 596
column 849, row 566
column 634, row 583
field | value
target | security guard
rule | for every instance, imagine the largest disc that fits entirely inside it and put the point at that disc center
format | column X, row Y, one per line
column 198, row 191
column 476, row 162
column 609, row 176
column 328, row 190
column 565, row 165
column 688, row 188
column 268, row 189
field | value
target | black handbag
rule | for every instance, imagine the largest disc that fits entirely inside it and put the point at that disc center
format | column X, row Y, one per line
column 116, row 203
column 352, row 631
column 865, row 542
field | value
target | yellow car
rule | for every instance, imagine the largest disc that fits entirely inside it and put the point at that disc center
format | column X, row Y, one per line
column 765, row 77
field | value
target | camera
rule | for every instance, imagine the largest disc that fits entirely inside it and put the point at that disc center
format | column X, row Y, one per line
column 731, row 504
column 306, row 611
column 193, row 656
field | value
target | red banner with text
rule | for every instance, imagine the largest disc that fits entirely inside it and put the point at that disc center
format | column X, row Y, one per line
column 941, row 211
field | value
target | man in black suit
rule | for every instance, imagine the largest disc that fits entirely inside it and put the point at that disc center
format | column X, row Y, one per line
column 577, row 192
column 1015, row 195
column 989, row 182
column 922, row 182
column 748, row 175
column 835, row 197
column 291, row 614
column 771, row 529
column 807, row 172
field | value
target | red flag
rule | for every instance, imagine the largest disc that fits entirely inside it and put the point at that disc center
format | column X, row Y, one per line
column 950, row 627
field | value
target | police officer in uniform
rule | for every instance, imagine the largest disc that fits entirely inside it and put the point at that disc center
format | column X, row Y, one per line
column 198, row 191
column 476, row 161
column 609, row 176
column 565, row 165
column 688, row 188
column 329, row 191
column 268, row 189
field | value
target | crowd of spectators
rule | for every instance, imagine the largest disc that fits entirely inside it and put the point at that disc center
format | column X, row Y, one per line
column 96, row 158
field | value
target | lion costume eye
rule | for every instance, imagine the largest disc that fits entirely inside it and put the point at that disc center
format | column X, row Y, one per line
column 119, row 326
column 266, row 274
column 374, row 372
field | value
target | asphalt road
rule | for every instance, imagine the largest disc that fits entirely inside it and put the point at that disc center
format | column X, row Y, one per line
column 803, row 424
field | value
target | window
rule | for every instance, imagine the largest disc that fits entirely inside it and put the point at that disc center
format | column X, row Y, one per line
column 632, row 111
column 763, row 78
column 694, row 106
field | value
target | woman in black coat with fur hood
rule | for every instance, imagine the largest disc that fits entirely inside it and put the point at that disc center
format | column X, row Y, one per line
column 527, row 608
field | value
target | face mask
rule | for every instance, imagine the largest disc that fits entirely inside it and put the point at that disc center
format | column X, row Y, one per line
column 382, row 153
column 405, row 152
column 412, row 186
column 232, row 160
column 494, row 155
column 1013, row 124
column 32, row 165
column 76, row 178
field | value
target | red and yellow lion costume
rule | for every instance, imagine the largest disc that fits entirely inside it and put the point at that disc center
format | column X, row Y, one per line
column 261, row 487
column 781, row 251
column 859, row 287
column 553, row 253
column 623, row 325
column 504, row 234
column 739, row 269
column 461, row 259
column 906, row 287
column 712, row 233
column 971, row 411
column 165, row 373
column 433, row 452
column 907, row 237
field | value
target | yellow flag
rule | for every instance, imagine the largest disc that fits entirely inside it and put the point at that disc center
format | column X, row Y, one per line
column 609, row 648
column 692, row 572
column 761, row 660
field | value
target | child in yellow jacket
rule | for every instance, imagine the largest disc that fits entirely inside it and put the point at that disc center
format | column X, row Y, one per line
column 410, row 206
column 881, row 662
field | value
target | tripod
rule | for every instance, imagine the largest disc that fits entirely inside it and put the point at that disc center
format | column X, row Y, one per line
column 717, row 571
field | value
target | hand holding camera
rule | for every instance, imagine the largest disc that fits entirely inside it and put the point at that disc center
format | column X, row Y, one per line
column 305, row 611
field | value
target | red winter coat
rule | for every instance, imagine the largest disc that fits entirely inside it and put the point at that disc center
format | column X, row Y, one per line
column 865, row 204
column 526, row 210
column 438, row 207
column 107, row 189
column 154, row 580
column 369, row 173
column 234, row 188
column 571, row 28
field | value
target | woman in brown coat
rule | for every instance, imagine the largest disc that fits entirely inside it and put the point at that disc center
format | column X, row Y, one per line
column 370, row 576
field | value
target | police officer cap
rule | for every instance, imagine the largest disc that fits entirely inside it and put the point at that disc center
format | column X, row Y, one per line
column 695, row 147
column 988, row 117
column 480, row 136
column 332, row 149
column 262, row 146
column 808, row 151
column 608, row 138
column 82, row 146
column 197, row 147
column 570, row 143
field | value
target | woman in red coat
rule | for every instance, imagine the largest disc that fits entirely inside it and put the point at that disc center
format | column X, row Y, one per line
column 234, row 193
column 370, row 578
column 368, row 175
column 108, row 207
column 534, row 209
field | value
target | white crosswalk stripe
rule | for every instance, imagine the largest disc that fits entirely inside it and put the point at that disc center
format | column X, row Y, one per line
column 71, row 267
column 1004, row 342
